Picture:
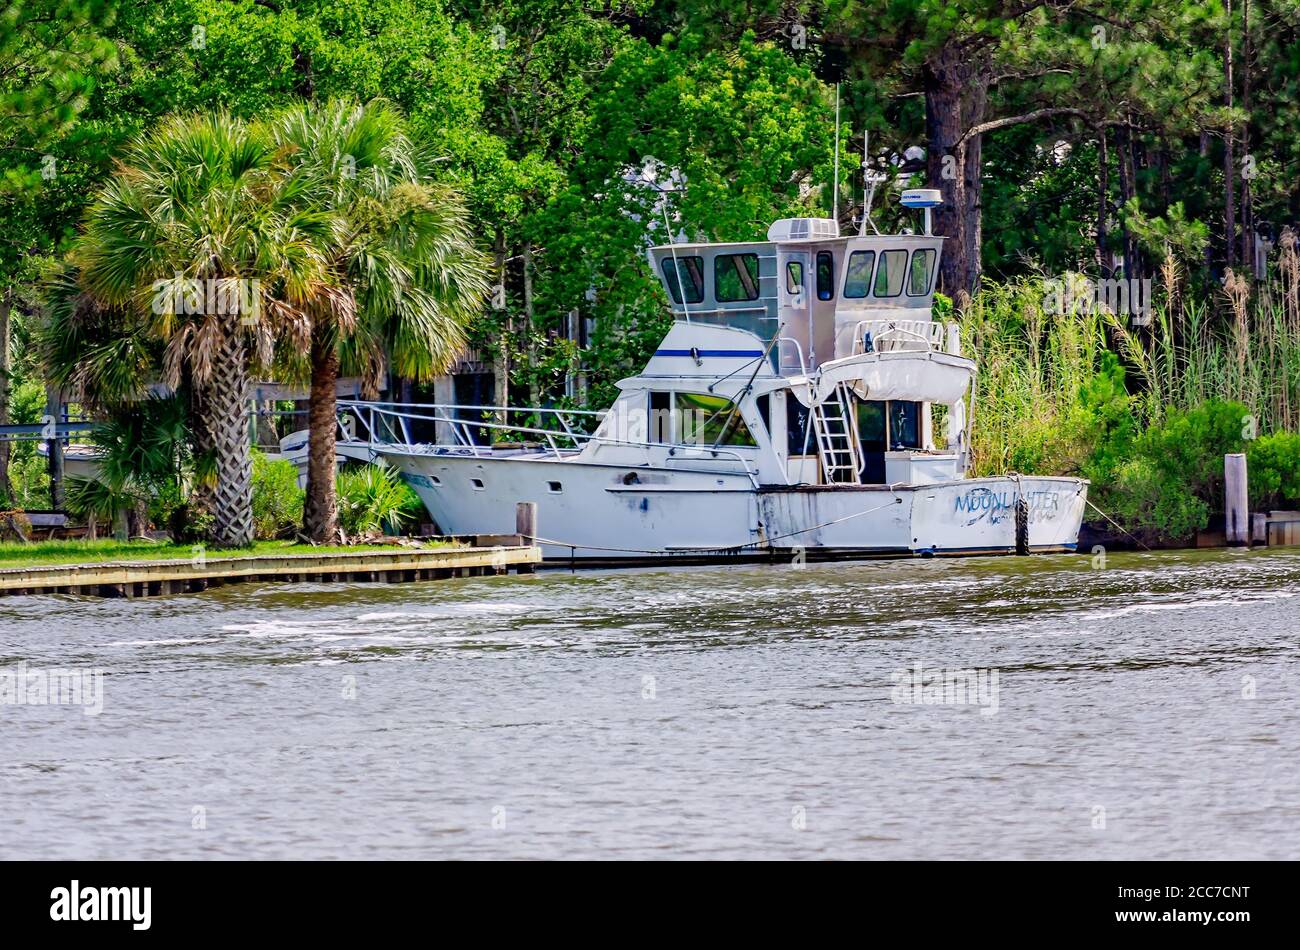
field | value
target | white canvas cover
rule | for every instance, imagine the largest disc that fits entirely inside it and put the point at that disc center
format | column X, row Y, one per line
column 918, row 376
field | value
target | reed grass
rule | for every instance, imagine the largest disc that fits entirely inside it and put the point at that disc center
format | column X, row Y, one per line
column 1240, row 342
column 1031, row 367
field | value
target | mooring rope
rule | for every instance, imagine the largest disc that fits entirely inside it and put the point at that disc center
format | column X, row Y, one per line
column 1089, row 503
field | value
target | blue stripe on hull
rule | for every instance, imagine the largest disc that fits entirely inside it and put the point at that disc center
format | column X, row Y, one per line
column 747, row 354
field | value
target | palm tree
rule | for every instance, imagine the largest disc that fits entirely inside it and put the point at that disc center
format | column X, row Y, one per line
column 199, row 241
column 404, row 275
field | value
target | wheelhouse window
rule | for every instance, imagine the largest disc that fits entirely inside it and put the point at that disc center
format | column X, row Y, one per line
column 857, row 276
column 684, row 274
column 890, row 273
column 918, row 282
column 825, row 275
column 793, row 277
column 735, row 277
column 710, row 420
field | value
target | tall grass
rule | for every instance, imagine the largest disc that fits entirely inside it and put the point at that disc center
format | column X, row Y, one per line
column 1031, row 366
column 1240, row 342
column 1244, row 346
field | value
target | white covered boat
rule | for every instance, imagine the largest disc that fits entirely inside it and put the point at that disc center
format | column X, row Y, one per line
column 788, row 412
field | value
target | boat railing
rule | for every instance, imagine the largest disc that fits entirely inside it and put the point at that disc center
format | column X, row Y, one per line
column 798, row 349
column 892, row 335
column 389, row 424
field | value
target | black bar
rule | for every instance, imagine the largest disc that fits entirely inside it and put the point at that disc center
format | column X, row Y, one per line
column 914, row 902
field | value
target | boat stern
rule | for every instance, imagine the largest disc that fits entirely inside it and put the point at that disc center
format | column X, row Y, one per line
column 979, row 515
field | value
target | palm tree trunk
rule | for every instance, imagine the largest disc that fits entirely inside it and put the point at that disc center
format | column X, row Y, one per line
column 320, row 517
column 534, row 390
column 226, row 403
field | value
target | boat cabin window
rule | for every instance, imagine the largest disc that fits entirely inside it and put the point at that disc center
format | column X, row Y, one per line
column 871, row 424
column 710, row 420
column 890, row 273
column 918, row 284
column 735, row 277
column 793, row 277
column 825, row 275
column 798, row 440
column 872, row 439
column 904, row 425
column 685, row 273
column 661, row 418
column 892, row 426
column 857, row 276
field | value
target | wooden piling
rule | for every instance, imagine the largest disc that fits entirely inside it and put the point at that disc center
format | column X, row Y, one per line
column 1236, row 505
column 1258, row 528
column 526, row 528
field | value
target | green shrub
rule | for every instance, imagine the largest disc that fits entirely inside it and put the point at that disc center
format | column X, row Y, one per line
column 1153, row 502
column 1273, row 470
column 30, row 477
column 277, row 499
column 1173, row 478
column 107, row 504
column 1108, row 409
column 373, row 498
column 413, row 510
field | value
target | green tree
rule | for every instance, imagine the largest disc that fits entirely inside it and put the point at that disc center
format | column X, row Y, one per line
column 51, row 55
column 199, row 243
column 692, row 139
column 403, row 276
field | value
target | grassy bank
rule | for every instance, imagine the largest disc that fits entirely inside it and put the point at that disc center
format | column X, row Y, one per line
column 43, row 553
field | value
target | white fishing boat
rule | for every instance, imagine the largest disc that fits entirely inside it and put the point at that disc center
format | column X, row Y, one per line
column 790, row 411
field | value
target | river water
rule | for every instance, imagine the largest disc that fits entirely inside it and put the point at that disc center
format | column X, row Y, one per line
column 1145, row 709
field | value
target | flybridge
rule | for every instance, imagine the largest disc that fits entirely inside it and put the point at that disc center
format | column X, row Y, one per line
column 806, row 287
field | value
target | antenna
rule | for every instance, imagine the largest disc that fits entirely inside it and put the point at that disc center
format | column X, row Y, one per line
column 835, row 196
column 869, row 183
column 672, row 247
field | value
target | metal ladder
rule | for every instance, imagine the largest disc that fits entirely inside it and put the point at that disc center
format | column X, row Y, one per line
column 837, row 437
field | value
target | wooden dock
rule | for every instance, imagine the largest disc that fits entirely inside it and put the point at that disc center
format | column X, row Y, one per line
column 153, row 578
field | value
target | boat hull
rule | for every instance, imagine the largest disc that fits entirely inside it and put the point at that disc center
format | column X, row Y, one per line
column 618, row 513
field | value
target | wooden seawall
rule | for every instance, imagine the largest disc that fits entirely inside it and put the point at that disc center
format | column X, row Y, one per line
column 152, row 578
